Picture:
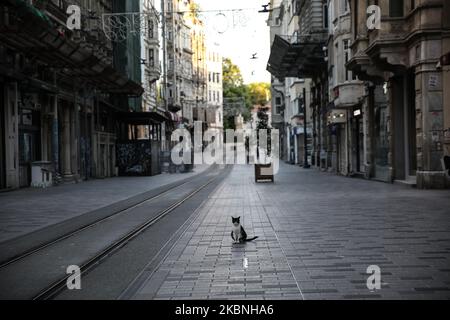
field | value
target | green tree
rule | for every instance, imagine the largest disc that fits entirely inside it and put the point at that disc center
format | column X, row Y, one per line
column 234, row 91
column 259, row 93
column 194, row 10
column 232, row 76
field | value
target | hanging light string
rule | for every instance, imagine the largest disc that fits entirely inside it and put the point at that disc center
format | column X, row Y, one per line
column 212, row 11
column 192, row 11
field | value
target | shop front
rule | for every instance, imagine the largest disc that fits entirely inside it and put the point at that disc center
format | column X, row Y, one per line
column 139, row 143
column 337, row 121
column 357, row 140
column 29, row 143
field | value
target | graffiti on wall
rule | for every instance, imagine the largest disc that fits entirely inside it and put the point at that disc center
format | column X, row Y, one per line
column 134, row 158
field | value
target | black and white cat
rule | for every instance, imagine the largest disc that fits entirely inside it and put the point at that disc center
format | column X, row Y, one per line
column 238, row 234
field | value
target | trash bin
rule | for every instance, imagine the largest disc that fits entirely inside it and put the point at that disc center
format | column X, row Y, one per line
column 41, row 174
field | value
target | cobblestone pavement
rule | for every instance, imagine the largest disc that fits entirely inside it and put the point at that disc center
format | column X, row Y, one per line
column 26, row 210
column 318, row 233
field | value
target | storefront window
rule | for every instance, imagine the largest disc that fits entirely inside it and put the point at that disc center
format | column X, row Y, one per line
column 25, row 146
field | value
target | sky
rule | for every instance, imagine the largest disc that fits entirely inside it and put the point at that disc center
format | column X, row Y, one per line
column 239, row 34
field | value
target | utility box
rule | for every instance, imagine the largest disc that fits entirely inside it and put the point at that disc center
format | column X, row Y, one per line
column 41, row 174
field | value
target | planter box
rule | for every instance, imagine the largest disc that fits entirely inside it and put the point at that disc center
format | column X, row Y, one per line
column 263, row 172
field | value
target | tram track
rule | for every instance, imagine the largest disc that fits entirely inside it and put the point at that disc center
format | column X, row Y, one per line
column 157, row 194
column 56, row 248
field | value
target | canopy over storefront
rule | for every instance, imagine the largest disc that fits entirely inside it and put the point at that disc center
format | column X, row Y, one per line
column 296, row 57
column 143, row 118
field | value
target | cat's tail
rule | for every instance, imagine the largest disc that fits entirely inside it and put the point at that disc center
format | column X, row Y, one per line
column 251, row 239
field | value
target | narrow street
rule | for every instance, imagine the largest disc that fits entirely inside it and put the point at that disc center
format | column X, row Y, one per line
column 318, row 234
column 140, row 142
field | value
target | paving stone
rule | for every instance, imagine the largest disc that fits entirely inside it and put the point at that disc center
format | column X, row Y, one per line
column 27, row 210
column 318, row 233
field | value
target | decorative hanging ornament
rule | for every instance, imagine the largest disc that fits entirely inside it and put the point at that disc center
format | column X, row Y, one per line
column 220, row 23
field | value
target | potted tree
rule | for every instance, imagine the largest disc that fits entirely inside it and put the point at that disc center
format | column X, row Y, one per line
column 263, row 170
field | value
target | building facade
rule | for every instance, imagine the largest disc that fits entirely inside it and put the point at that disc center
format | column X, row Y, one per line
column 150, row 51
column 275, row 23
column 344, row 91
column 180, row 68
column 187, row 70
column 293, row 87
column 214, row 110
column 379, row 92
column 405, row 89
column 199, row 66
column 60, row 93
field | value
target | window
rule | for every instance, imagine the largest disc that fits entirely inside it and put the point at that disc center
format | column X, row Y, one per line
column 151, row 29
column 151, row 57
column 325, row 16
column 278, row 106
column 336, row 77
column 278, row 101
column 344, row 6
column 355, row 20
column 346, row 58
column 296, row 5
column 396, row 8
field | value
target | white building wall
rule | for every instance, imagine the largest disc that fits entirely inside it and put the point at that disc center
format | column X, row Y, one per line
column 214, row 87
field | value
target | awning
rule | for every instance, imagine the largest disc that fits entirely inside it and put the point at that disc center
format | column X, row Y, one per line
column 35, row 84
column 142, row 118
column 301, row 58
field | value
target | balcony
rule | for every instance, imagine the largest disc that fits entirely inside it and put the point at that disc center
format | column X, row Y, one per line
column 390, row 48
column 32, row 31
column 153, row 73
column 297, row 56
column 348, row 94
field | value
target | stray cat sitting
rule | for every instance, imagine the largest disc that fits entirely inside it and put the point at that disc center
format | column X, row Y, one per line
column 238, row 234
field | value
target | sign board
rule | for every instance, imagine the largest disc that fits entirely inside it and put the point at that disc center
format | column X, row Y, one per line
column 337, row 116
